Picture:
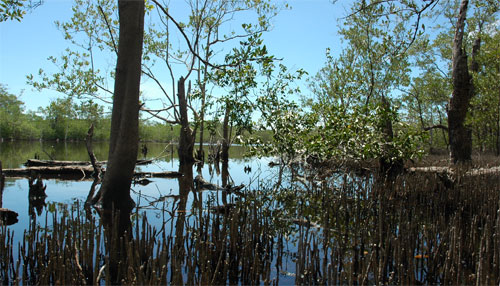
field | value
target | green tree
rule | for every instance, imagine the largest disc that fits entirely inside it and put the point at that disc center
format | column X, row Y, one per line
column 240, row 79
column 201, row 35
column 59, row 113
column 359, row 92
column 124, row 137
column 11, row 114
column 463, row 27
column 16, row 9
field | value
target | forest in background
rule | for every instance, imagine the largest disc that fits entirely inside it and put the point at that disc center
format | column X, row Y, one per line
column 65, row 120
column 394, row 91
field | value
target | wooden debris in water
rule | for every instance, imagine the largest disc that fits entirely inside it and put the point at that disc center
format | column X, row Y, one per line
column 8, row 217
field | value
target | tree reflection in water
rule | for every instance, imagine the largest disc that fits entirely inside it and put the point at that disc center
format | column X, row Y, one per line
column 345, row 229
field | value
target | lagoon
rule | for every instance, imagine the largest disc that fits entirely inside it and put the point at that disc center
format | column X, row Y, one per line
column 290, row 225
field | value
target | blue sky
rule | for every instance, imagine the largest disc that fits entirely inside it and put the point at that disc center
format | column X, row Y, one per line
column 300, row 36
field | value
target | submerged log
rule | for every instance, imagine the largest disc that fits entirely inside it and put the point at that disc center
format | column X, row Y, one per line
column 56, row 163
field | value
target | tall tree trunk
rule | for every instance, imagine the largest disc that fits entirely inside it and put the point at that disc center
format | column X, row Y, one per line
column 186, row 138
column 463, row 89
column 115, row 201
column 203, row 90
column 226, row 135
column 124, row 137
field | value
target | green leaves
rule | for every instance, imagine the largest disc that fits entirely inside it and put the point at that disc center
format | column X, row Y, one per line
column 13, row 9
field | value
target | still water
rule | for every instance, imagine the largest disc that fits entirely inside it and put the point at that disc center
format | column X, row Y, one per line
column 15, row 154
column 290, row 225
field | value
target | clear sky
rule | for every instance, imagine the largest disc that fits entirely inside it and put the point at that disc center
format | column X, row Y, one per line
column 300, row 36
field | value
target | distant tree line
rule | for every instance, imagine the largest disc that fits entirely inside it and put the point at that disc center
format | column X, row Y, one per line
column 64, row 119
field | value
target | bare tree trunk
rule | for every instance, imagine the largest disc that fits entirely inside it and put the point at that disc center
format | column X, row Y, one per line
column 203, row 89
column 90, row 151
column 463, row 89
column 114, row 196
column 186, row 139
column 124, row 137
column 226, row 135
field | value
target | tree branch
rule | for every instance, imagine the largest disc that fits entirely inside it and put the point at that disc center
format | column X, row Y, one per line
column 438, row 126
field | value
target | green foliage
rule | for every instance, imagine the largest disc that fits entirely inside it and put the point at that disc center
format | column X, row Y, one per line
column 426, row 99
column 240, row 78
column 11, row 114
column 16, row 9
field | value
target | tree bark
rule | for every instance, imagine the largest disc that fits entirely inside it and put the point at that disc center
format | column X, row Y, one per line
column 226, row 134
column 90, row 151
column 463, row 89
column 186, row 139
column 390, row 165
column 124, row 138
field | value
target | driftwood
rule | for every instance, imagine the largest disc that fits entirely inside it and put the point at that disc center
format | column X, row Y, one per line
column 449, row 175
column 452, row 171
column 203, row 184
column 56, row 163
column 60, row 172
column 90, row 151
column 166, row 174
column 7, row 217
column 75, row 173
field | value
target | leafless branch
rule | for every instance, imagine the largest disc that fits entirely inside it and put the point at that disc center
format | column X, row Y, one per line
column 438, row 126
column 109, row 28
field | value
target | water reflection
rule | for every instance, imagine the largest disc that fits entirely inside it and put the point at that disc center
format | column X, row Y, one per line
column 36, row 196
column 178, row 254
column 288, row 226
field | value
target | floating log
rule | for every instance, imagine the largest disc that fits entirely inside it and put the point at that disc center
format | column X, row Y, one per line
column 75, row 173
column 203, row 184
column 59, row 172
column 166, row 174
column 56, row 163
column 7, row 217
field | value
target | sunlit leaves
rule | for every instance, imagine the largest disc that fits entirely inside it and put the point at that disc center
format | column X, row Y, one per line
column 16, row 9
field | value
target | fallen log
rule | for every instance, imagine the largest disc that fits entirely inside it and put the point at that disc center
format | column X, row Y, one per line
column 203, row 184
column 75, row 173
column 59, row 172
column 57, row 163
column 449, row 175
column 166, row 174
column 453, row 171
